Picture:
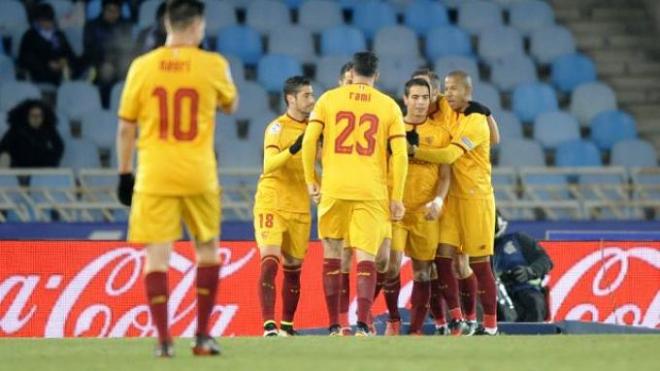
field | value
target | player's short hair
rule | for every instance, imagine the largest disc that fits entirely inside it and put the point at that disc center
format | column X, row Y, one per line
column 425, row 71
column 416, row 82
column 292, row 86
column 345, row 68
column 365, row 64
column 462, row 76
column 181, row 13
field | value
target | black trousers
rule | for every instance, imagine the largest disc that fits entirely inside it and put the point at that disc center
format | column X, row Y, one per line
column 530, row 305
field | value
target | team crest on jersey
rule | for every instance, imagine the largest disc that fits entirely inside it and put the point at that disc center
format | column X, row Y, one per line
column 510, row 248
column 468, row 143
column 275, row 128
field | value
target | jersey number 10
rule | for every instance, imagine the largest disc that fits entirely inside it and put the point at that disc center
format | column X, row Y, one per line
column 369, row 134
column 179, row 95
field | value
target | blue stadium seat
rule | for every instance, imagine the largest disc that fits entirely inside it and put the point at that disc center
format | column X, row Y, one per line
column 14, row 92
column 349, row 4
column 273, row 69
column 591, row 98
column 478, row 15
column 521, row 152
column 634, row 153
column 76, row 98
column 576, row 153
column 7, row 70
column 612, row 126
column 530, row 15
column 254, row 100
column 115, row 95
column 395, row 71
column 293, row 4
column 13, row 16
column 570, row 70
column 237, row 69
column 80, row 154
column 147, row 13
column 532, row 99
column 445, row 65
column 548, row 43
column 317, row 15
column 447, row 40
column 499, row 42
column 423, row 15
column 219, row 14
column 342, row 40
column 100, row 127
column 295, row 41
column 509, row 125
column 396, row 41
column 372, row 15
column 486, row 94
column 511, row 71
column 75, row 35
column 553, row 128
column 267, row 15
column 328, row 68
column 240, row 41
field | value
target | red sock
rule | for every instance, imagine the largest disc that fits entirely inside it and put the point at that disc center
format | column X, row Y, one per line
column 332, row 287
column 344, row 299
column 366, row 286
column 380, row 281
column 391, row 289
column 419, row 300
column 468, row 289
column 448, row 286
column 290, row 292
column 269, row 266
column 156, row 288
column 207, row 288
column 437, row 303
column 487, row 292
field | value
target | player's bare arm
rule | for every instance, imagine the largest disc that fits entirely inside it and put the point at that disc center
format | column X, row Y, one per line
column 434, row 208
column 126, row 137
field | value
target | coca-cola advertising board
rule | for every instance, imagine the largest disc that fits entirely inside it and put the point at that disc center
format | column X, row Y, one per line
column 94, row 289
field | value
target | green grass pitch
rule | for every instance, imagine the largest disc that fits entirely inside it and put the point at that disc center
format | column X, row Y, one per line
column 316, row 353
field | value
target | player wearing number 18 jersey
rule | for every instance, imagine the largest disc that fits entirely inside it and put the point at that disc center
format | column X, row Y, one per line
column 170, row 98
column 357, row 122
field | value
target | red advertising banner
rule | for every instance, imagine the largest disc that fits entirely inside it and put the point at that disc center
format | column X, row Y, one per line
column 607, row 282
column 94, row 289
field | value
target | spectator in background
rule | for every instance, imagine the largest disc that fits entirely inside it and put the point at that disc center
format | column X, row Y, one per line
column 154, row 36
column 521, row 263
column 107, row 47
column 32, row 139
column 45, row 53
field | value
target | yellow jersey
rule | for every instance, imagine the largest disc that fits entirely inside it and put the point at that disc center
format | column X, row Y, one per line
column 471, row 173
column 358, row 121
column 284, row 188
column 172, row 94
column 423, row 177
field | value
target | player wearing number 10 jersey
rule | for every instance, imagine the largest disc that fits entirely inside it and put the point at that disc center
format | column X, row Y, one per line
column 170, row 97
column 357, row 122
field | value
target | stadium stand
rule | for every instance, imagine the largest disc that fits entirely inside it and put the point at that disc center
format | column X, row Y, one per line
column 552, row 86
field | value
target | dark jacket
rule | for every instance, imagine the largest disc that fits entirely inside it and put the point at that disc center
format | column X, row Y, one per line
column 36, row 52
column 29, row 147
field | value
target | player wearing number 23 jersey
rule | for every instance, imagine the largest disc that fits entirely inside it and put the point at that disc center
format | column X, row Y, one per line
column 172, row 94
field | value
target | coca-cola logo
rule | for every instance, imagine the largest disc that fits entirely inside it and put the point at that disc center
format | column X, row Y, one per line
column 93, row 302
column 613, row 284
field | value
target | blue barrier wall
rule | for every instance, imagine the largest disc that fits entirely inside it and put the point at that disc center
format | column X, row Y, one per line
column 235, row 231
